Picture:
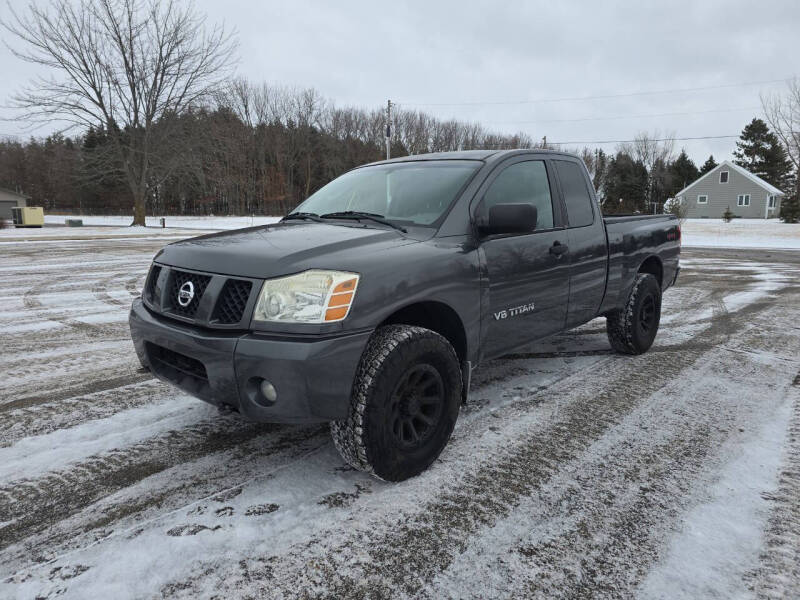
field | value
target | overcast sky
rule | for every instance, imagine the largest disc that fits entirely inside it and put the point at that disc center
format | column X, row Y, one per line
column 424, row 55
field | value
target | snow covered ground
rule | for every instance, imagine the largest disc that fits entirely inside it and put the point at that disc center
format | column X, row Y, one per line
column 572, row 471
column 741, row 233
column 707, row 233
column 213, row 223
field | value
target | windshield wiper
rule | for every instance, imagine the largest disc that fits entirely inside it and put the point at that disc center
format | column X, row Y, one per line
column 305, row 216
column 358, row 215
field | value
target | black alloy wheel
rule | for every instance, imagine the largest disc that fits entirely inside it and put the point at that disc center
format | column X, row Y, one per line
column 417, row 404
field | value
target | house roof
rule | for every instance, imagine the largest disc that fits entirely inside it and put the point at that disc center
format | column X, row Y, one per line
column 742, row 171
column 8, row 191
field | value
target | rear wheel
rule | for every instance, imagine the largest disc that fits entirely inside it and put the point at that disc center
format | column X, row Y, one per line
column 404, row 404
column 633, row 329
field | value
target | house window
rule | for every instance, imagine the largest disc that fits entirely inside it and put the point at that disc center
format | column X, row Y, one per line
column 771, row 200
column 703, row 199
column 723, row 176
column 743, row 200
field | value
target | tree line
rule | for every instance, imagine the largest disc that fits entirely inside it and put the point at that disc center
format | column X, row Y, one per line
column 263, row 149
column 257, row 149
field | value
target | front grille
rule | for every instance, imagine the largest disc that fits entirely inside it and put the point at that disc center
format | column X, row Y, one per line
column 179, row 278
column 232, row 301
column 162, row 357
column 150, row 286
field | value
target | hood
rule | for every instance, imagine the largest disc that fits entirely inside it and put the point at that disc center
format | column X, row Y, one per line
column 283, row 248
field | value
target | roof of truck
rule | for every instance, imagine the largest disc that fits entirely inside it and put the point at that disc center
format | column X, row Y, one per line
column 468, row 155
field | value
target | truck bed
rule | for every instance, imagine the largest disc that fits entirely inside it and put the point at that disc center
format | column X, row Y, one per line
column 631, row 240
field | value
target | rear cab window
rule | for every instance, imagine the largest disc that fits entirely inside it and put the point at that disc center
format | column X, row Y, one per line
column 577, row 198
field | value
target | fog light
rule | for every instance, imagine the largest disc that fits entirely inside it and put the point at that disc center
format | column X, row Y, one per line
column 268, row 391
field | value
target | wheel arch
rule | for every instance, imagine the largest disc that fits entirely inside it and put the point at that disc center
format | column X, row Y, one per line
column 436, row 316
column 652, row 265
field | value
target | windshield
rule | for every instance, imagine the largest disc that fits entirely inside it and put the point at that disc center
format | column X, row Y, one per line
column 415, row 193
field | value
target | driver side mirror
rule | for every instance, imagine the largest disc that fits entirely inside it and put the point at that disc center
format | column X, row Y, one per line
column 510, row 218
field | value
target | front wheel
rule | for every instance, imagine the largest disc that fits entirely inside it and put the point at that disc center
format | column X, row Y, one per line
column 633, row 329
column 404, row 404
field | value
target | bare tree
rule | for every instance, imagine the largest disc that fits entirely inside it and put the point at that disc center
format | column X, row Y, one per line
column 655, row 152
column 650, row 149
column 783, row 115
column 129, row 67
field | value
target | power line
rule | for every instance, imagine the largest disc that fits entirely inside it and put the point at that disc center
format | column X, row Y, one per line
column 669, row 139
column 600, row 97
column 620, row 117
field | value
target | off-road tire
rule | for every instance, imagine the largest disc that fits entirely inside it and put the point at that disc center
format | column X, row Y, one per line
column 626, row 328
column 393, row 354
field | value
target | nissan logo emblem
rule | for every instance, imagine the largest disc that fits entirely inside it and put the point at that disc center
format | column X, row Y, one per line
column 186, row 294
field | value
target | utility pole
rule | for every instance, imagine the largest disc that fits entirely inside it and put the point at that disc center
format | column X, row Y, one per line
column 388, row 129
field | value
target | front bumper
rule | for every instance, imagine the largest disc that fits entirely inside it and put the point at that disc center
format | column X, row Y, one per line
column 313, row 376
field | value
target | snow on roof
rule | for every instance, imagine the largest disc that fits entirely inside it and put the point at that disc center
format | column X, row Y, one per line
column 741, row 170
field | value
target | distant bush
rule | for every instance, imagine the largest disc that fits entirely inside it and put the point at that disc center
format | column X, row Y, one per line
column 675, row 207
column 727, row 216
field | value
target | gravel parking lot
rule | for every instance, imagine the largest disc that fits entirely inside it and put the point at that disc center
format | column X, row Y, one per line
column 572, row 472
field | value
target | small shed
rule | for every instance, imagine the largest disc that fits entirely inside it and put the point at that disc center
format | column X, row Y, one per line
column 10, row 199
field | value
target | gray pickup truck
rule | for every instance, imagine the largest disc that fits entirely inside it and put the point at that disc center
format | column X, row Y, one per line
column 371, row 303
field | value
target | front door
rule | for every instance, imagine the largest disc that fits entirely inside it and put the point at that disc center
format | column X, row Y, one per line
column 528, row 273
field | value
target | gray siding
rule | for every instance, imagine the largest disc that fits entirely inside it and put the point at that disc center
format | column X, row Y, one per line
column 723, row 195
column 7, row 201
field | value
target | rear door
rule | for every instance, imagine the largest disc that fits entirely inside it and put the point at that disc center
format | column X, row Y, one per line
column 588, row 247
column 528, row 281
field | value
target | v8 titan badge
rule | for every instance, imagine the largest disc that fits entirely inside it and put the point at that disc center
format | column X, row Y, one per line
column 514, row 312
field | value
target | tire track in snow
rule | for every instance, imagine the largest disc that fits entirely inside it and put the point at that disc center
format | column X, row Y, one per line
column 37, row 504
column 616, row 504
column 202, row 472
column 778, row 575
column 32, row 302
column 101, row 288
column 99, row 401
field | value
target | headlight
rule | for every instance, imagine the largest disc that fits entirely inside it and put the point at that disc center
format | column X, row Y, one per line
column 308, row 297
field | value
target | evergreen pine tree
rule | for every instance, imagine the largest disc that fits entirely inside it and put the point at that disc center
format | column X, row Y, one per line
column 625, row 185
column 708, row 165
column 790, row 209
column 600, row 169
column 682, row 172
column 759, row 151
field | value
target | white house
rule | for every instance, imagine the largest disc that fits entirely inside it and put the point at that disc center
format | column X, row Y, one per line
column 729, row 185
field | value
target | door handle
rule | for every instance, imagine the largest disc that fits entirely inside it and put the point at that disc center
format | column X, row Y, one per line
column 558, row 249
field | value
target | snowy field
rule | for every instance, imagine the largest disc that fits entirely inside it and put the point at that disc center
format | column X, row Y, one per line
column 703, row 233
column 741, row 233
column 213, row 223
column 573, row 472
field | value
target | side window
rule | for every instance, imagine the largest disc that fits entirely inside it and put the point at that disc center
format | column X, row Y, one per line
column 523, row 183
column 576, row 194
